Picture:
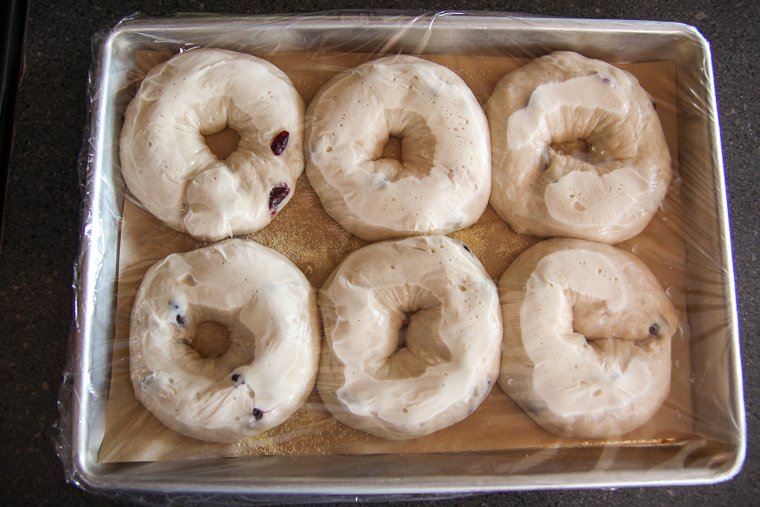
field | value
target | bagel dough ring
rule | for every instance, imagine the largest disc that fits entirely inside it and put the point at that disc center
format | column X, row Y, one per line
column 444, row 178
column 587, row 335
column 173, row 173
column 412, row 337
column 578, row 150
column 269, row 310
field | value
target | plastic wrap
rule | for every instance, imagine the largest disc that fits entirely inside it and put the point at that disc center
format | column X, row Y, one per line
column 109, row 441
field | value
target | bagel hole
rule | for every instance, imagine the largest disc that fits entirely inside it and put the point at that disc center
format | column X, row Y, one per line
column 579, row 149
column 605, row 329
column 392, row 149
column 417, row 345
column 401, row 363
column 211, row 339
column 590, row 317
column 411, row 144
column 401, row 343
column 188, row 280
column 223, row 143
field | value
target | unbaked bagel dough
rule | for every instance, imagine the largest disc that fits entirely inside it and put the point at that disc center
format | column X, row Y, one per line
column 412, row 337
column 578, row 150
column 587, row 336
column 269, row 311
column 173, row 173
column 443, row 180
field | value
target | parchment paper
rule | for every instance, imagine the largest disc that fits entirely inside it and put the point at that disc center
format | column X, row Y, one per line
column 305, row 234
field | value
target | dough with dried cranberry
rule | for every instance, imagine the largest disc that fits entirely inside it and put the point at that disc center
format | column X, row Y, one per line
column 173, row 173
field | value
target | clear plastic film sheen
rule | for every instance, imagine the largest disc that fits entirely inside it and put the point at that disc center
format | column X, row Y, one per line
column 108, row 441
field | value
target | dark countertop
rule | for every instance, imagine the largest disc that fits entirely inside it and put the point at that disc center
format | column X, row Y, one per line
column 43, row 206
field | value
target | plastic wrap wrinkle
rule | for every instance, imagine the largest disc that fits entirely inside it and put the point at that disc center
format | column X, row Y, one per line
column 306, row 235
column 699, row 434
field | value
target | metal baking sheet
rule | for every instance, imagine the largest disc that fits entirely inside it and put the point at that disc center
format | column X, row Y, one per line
column 716, row 369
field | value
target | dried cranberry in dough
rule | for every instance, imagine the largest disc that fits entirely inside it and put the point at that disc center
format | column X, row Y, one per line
column 175, row 175
column 269, row 310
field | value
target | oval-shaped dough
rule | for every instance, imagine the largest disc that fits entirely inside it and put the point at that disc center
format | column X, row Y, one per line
column 173, row 173
column 412, row 337
column 578, row 150
column 443, row 180
column 269, row 312
column 587, row 335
